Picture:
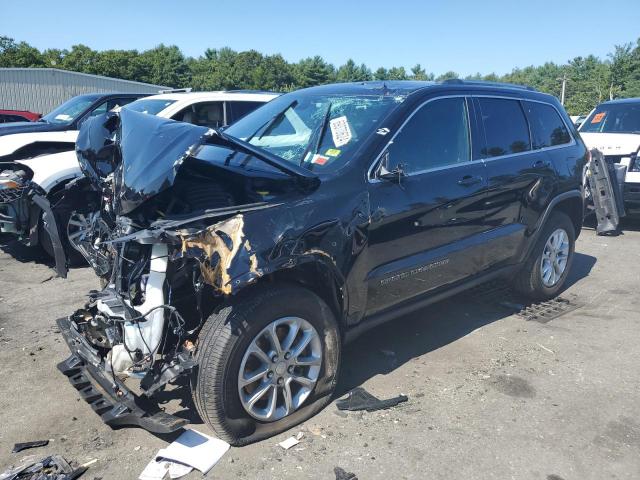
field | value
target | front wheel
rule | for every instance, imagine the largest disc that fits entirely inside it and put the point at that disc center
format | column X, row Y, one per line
column 266, row 362
column 546, row 270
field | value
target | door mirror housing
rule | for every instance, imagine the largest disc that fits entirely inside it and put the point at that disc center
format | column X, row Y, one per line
column 395, row 175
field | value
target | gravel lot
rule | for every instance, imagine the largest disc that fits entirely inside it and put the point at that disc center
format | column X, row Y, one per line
column 491, row 395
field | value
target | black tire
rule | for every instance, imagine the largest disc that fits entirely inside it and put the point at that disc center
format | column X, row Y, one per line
column 223, row 341
column 529, row 280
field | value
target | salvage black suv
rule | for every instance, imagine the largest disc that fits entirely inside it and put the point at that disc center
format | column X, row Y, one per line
column 245, row 258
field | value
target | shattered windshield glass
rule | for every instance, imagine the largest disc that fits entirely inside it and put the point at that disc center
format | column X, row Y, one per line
column 316, row 131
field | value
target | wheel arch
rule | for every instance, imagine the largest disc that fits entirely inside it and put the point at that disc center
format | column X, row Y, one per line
column 315, row 274
column 571, row 204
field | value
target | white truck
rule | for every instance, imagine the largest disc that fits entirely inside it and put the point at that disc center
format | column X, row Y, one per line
column 614, row 128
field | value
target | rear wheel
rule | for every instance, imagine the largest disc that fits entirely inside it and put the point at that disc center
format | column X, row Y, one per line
column 266, row 362
column 546, row 270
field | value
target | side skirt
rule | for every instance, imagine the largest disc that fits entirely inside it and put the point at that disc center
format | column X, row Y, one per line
column 424, row 300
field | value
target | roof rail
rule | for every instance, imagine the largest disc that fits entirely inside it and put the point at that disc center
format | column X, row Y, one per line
column 176, row 90
column 488, row 84
column 246, row 90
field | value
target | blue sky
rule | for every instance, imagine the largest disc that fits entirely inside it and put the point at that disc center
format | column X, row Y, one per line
column 464, row 36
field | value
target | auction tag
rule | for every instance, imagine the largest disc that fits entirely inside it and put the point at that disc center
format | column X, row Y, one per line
column 319, row 159
column 340, row 131
column 598, row 117
column 332, row 152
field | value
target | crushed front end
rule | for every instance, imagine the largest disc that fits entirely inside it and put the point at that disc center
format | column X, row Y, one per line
column 174, row 248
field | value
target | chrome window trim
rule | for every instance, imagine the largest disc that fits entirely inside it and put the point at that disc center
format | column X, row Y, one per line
column 371, row 178
column 370, row 172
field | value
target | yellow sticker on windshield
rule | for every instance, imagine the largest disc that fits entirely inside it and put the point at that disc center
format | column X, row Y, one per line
column 332, row 152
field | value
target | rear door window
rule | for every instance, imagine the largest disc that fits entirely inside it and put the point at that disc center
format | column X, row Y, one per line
column 547, row 128
column 505, row 127
column 237, row 110
column 209, row 114
column 437, row 135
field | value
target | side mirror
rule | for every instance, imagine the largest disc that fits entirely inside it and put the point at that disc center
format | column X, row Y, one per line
column 394, row 175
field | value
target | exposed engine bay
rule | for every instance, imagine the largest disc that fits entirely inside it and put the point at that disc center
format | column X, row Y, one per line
column 167, row 248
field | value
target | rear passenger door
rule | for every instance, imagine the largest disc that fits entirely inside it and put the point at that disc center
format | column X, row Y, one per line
column 424, row 227
column 521, row 176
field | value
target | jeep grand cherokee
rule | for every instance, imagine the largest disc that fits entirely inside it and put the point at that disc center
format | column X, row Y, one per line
column 247, row 257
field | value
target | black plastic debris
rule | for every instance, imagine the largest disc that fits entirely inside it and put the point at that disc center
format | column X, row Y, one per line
column 18, row 447
column 604, row 179
column 360, row 399
column 53, row 467
column 341, row 474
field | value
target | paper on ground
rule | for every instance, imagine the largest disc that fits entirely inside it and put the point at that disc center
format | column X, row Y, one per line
column 289, row 442
column 154, row 470
column 177, row 470
column 195, row 449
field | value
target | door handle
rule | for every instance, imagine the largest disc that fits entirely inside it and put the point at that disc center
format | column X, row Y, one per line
column 540, row 164
column 469, row 180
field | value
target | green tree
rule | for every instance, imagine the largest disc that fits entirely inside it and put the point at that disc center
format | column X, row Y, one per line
column 397, row 73
column 313, row 71
column 350, row 72
column 450, row 75
column 21, row 54
column 164, row 65
column 419, row 73
column 80, row 59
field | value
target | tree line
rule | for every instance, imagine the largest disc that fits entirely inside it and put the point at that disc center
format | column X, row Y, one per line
column 589, row 80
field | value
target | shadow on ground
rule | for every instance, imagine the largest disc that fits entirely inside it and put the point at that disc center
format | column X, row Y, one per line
column 427, row 330
column 389, row 346
column 10, row 245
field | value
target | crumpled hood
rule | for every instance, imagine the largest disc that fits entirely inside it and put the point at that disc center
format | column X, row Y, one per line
column 612, row 143
column 144, row 153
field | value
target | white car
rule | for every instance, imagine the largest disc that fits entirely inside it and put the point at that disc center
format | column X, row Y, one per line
column 47, row 175
column 614, row 129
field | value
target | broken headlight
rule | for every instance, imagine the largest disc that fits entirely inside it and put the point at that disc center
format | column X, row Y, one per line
column 13, row 184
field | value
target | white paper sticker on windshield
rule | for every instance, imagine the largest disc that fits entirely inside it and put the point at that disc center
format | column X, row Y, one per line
column 64, row 117
column 340, row 131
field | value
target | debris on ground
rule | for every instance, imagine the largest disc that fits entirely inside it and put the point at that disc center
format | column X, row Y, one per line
column 289, row 442
column 18, row 447
column 360, row 399
column 341, row 474
column 193, row 449
column 53, row 467
column 543, row 312
column 154, row 470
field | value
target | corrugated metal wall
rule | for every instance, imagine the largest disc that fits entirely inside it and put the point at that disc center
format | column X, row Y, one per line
column 42, row 89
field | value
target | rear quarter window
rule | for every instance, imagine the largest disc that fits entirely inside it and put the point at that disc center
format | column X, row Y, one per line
column 505, row 127
column 547, row 127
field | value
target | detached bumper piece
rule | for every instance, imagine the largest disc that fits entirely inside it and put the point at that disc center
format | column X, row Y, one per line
column 604, row 181
column 116, row 405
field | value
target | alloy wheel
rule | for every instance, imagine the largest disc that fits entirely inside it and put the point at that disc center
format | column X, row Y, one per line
column 280, row 368
column 554, row 258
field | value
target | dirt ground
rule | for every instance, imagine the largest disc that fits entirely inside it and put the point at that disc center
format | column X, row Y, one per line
column 491, row 395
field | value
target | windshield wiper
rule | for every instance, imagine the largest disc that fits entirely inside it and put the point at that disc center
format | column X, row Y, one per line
column 322, row 128
column 272, row 120
column 267, row 157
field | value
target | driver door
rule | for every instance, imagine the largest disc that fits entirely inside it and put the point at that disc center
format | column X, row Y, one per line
column 428, row 207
